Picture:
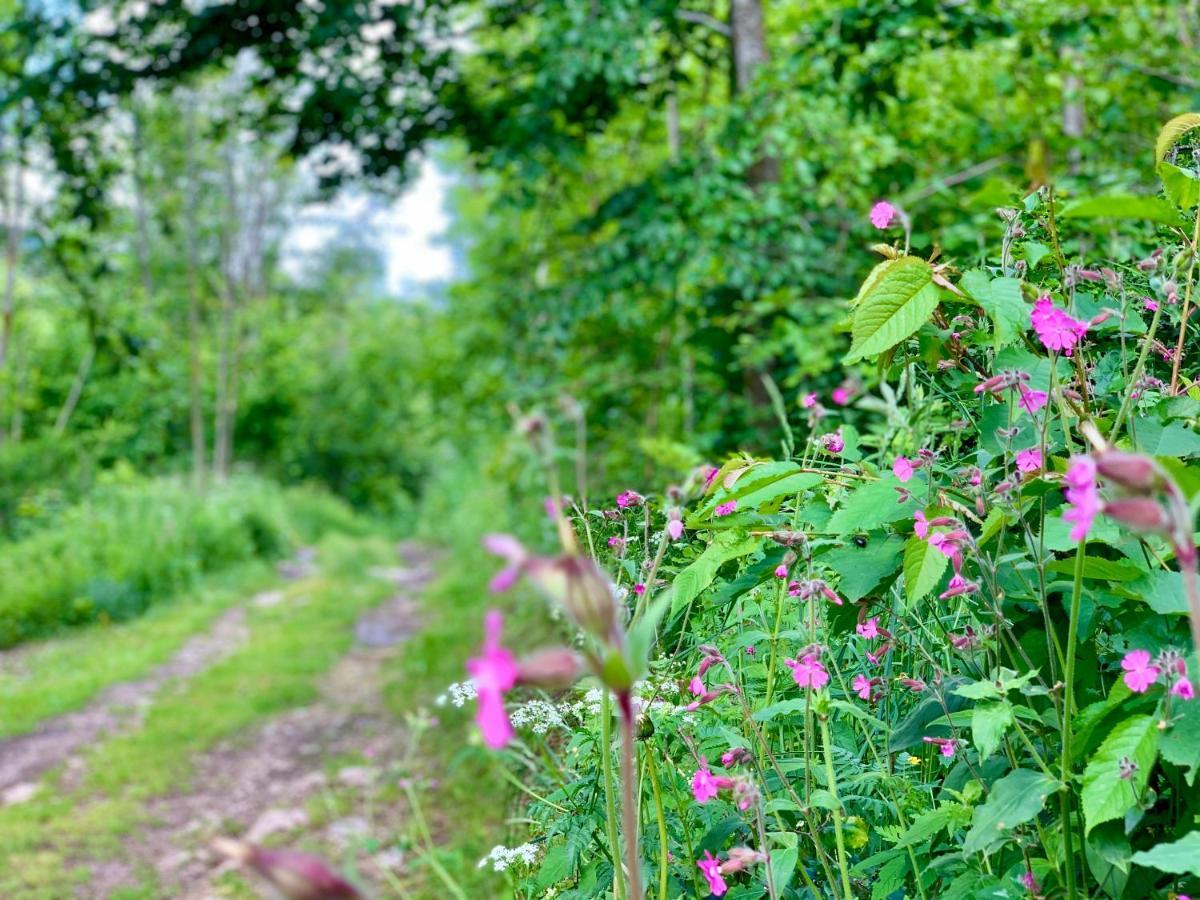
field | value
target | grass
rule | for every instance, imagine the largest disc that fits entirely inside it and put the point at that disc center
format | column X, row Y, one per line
column 54, row 677
column 278, row 668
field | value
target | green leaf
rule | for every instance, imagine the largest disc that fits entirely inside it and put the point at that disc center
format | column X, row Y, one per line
column 924, row 566
column 1180, row 744
column 1123, row 206
column 695, row 578
column 1161, row 591
column 783, row 866
column 1014, row 800
column 1035, row 252
column 1098, row 567
column 1106, row 795
column 1001, row 300
column 860, row 569
column 767, row 713
column 989, row 722
column 1172, row 132
column 1167, row 440
column 1179, row 858
column 1181, row 187
column 897, row 299
column 927, row 825
column 870, row 506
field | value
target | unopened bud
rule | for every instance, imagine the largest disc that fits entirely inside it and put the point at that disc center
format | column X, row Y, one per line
column 1132, row 471
column 297, row 876
column 740, row 859
column 1140, row 513
column 550, row 668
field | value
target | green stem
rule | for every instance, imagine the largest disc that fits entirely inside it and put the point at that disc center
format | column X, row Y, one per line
column 831, row 778
column 1068, row 762
column 629, row 804
column 610, row 801
column 663, row 867
column 779, row 595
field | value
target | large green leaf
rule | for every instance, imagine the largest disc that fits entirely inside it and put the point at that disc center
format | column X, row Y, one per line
column 1129, row 207
column 1172, row 439
column 924, row 566
column 1180, row 186
column 1179, row 858
column 1001, row 300
column 1014, row 800
column 873, row 504
column 989, row 721
column 860, row 569
column 1172, row 132
column 1106, row 795
column 691, row 581
column 1161, row 591
column 1180, row 744
column 897, row 299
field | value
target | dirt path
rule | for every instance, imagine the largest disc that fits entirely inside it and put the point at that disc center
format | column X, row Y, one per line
column 265, row 784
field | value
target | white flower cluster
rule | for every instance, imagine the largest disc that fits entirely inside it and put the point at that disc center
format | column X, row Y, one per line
column 502, row 857
column 540, row 716
column 457, row 694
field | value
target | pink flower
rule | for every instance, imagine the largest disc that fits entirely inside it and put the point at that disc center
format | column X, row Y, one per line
column 1151, row 305
column 710, row 867
column 1082, row 495
column 862, row 686
column 514, row 553
column 696, row 686
column 639, row 589
column 882, row 214
column 617, row 543
column 1031, row 401
column 1182, row 689
column 841, row 396
column 1029, row 460
column 1055, row 328
column 809, row 400
column 710, row 475
column 920, row 525
column 629, row 498
column 704, row 785
column 1029, row 882
column 781, row 571
column 808, row 672
column 958, row 586
column 946, row 746
column 868, row 629
column 833, row 442
column 725, row 508
column 675, row 529
column 1139, row 673
column 735, row 755
column 902, row 468
column 493, row 673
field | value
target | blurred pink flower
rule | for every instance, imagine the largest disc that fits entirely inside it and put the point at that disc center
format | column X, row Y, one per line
column 725, row 508
column 705, row 785
column 833, row 442
column 1139, row 673
column 882, row 214
column 1031, row 401
column 841, row 395
column 1029, row 882
column 493, row 673
column 675, row 529
column 809, row 400
column 862, row 686
column 629, row 498
column 639, row 589
column 920, row 525
column 868, row 629
column 1029, row 460
column 902, row 468
column 958, row 586
column 710, row 867
column 946, row 746
column 781, row 571
column 1082, row 495
column 1183, row 689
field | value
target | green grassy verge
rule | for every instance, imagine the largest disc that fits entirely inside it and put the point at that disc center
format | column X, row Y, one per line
column 55, row 677
column 289, row 647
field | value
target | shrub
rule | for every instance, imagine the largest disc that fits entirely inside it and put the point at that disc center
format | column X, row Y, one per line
column 941, row 649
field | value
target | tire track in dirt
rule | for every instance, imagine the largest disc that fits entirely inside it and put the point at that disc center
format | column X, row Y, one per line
column 260, row 787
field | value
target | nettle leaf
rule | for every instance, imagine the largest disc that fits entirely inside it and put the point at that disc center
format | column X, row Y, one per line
column 861, row 569
column 897, row 299
column 924, row 566
column 1128, row 207
column 1179, row 858
column 1172, row 132
column 1180, row 744
column 1001, row 300
column 1162, row 591
column 989, row 722
column 695, row 578
column 1106, row 795
column 1181, row 186
column 1014, row 800
column 870, row 506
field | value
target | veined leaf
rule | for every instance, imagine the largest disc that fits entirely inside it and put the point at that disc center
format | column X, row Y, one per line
column 896, row 300
column 1172, row 132
column 1106, row 795
column 1001, row 300
column 695, row 578
column 1179, row 858
column 1181, row 187
column 870, row 506
column 1131, row 207
column 989, row 721
column 1015, row 799
column 924, row 566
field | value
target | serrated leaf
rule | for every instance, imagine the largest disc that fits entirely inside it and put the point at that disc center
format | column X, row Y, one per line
column 924, row 566
column 927, row 825
column 1172, row 132
column 1106, row 795
column 696, row 577
column 783, row 707
column 1181, row 187
column 897, row 299
column 861, row 569
column 1001, row 300
column 989, row 722
column 1180, row 858
column 1013, row 800
column 1173, row 439
column 870, row 506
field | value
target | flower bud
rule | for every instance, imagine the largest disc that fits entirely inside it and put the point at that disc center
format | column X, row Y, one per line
column 297, row 876
column 1132, row 471
column 1140, row 513
column 550, row 668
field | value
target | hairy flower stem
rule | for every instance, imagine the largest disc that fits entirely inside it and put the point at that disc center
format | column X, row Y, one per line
column 831, row 778
column 629, row 805
column 610, row 803
column 1068, row 762
column 663, row 847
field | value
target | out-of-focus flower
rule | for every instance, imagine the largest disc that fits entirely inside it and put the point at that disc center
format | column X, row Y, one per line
column 781, row 571
column 493, row 673
column 297, row 876
column 1083, row 496
column 736, row 756
column 1030, row 400
column 833, row 442
column 1140, row 673
column 740, row 859
column 902, row 468
column 1029, row 882
column 809, row 400
column 841, row 395
column 726, row 508
column 626, row 499
column 710, row 867
column 946, row 746
column 1029, row 460
column 705, row 785
column 675, row 526
column 882, row 214
column 920, row 525
column 1182, row 688
column 863, row 686
column 957, row 587
column 868, row 629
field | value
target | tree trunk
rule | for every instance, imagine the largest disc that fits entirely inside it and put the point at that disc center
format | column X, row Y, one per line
column 195, row 370
column 81, row 376
column 13, row 204
column 748, row 41
column 226, row 405
column 139, row 207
